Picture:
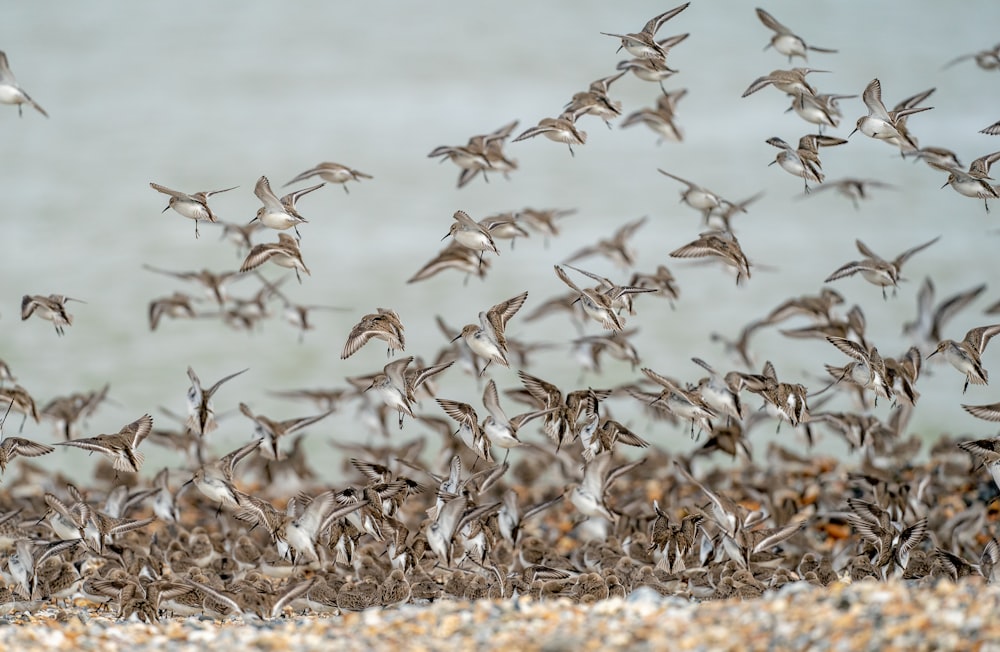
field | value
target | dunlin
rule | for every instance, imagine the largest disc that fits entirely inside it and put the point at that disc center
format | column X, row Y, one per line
column 976, row 182
column 791, row 82
column 285, row 253
column 121, row 447
column 471, row 235
column 194, row 206
column 643, row 44
column 616, row 248
column 561, row 130
column 215, row 479
column 396, row 386
column 332, row 173
column 597, row 305
column 270, row 431
column 988, row 59
column 882, row 124
column 785, row 40
column 201, row 414
column 177, row 305
column 854, row 189
column 698, row 197
column 274, row 214
column 661, row 118
column 718, row 244
column 803, row 161
column 487, row 340
column 875, row 269
column 929, row 323
column 966, row 356
column 52, row 308
column 384, row 325
column 11, row 92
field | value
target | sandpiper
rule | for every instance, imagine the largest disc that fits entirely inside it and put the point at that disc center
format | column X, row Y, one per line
column 454, row 256
column 875, row 269
column 989, row 412
column 785, row 41
column 275, row 214
column 791, row 82
column 11, row 447
column 988, row 59
column 854, row 189
column 643, row 44
column 285, row 253
column 698, row 197
column 661, row 118
column 803, row 161
column 121, row 447
column 561, row 130
column 11, row 92
column 966, row 355
column 868, row 370
column 201, row 415
column 215, row 480
column 926, row 328
column 471, row 235
column 598, row 306
column 684, row 403
column 52, row 308
column 396, row 389
column 595, row 101
column 469, row 431
column 882, row 124
column 214, row 283
column 719, row 244
column 616, row 248
column 590, row 496
column 822, row 109
column 487, row 340
column 177, row 305
column 975, row 182
column 656, row 69
column 332, row 173
column 270, row 431
column 384, row 325
column 992, row 130
column 193, row 207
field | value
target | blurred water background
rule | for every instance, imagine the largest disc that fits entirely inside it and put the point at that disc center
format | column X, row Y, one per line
column 202, row 96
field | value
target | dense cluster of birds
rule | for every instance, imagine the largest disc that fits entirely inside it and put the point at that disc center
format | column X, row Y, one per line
column 569, row 513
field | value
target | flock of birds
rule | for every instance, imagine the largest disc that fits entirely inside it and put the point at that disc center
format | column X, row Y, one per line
column 258, row 531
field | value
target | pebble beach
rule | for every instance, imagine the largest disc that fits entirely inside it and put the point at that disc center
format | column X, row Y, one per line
column 843, row 617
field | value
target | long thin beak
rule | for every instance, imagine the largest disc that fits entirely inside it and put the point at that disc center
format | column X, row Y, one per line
column 945, row 185
column 165, row 209
column 852, row 133
column 446, row 235
column 456, row 338
column 929, row 355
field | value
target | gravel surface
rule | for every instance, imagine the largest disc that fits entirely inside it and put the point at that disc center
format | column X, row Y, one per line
column 861, row 616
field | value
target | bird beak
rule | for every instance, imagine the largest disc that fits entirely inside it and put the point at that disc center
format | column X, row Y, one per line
column 456, row 338
column 944, row 186
column 852, row 133
column 165, row 209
